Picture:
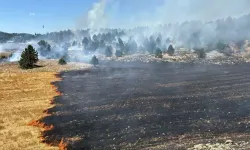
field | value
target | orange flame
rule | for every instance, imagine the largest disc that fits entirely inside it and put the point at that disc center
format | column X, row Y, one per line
column 63, row 145
column 39, row 124
column 46, row 127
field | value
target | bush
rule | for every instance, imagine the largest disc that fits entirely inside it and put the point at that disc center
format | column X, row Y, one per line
column 28, row 58
column 200, row 52
column 94, row 61
column 170, row 50
column 158, row 53
column 62, row 61
column 118, row 53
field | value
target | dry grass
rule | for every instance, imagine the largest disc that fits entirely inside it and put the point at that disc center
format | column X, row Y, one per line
column 46, row 66
column 24, row 95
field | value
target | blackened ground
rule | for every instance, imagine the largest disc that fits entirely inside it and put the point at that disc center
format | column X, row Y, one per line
column 137, row 105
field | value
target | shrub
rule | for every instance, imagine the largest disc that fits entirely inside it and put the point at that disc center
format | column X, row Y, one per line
column 200, row 52
column 170, row 50
column 94, row 61
column 62, row 61
column 28, row 58
column 158, row 53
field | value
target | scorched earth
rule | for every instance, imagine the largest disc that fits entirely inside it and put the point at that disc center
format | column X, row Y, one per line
column 144, row 105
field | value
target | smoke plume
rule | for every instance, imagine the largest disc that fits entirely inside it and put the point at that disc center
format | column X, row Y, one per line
column 95, row 18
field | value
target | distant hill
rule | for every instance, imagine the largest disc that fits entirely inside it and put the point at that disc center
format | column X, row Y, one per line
column 15, row 37
column 189, row 34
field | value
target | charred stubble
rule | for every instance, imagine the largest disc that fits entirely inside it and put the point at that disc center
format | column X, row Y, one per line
column 127, row 106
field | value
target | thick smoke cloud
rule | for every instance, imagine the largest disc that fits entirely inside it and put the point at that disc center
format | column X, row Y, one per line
column 202, row 10
column 103, row 14
column 173, row 11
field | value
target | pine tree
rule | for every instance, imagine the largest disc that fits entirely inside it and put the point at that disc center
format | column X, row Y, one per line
column 158, row 53
column 94, row 61
column 28, row 58
column 200, row 52
column 118, row 53
column 170, row 50
column 108, row 51
column 62, row 61
column 44, row 48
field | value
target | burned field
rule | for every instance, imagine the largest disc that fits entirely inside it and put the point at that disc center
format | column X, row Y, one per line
column 141, row 105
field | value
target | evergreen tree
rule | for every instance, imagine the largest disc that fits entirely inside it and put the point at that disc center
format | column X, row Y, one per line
column 121, row 44
column 62, row 61
column 152, row 45
column 158, row 40
column 94, row 61
column 118, row 53
column 44, row 48
column 200, row 52
column 158, row 53
column 74, row 43
column 170, row 50
column 85, row 41
column 108, row 51
column 28, row 58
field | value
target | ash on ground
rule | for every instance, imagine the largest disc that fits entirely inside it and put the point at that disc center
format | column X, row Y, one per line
column 213, row 57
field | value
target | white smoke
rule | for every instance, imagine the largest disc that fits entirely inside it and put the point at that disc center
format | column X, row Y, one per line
column 16, row 48
column 95, row 18
column 170, row 11
column 202, row 10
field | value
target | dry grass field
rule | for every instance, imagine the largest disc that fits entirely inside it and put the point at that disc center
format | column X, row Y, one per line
column 24, row 95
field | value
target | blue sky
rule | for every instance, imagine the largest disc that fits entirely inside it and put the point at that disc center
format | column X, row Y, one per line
column 28, row 16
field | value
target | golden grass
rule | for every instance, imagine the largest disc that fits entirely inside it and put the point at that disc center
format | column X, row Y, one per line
column 24, row 95
column 46, row 66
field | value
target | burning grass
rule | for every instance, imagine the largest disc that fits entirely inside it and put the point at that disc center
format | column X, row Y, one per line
column 24, row 97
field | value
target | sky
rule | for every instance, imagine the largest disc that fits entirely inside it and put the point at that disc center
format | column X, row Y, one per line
column 29, row 16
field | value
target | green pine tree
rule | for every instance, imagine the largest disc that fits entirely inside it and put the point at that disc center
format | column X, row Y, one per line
column 158, row 53
column 28, row 58
column 62, row 61
column 108, row 51
column 170, row 50
column 94, row 61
